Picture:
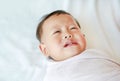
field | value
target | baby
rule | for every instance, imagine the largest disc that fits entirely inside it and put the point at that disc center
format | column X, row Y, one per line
column 62, row 41
column 60, row 36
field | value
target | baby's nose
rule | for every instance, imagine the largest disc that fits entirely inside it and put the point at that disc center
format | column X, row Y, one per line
column 68, row 36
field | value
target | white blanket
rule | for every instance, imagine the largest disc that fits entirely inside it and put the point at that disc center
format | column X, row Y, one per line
column 20, row 58
column 91, row 65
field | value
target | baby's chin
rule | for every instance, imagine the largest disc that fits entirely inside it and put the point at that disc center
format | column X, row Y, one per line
column 67, row 54
column 75, row 52
column 72, row 53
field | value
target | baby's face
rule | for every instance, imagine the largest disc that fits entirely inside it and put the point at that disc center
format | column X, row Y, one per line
column 62, row 38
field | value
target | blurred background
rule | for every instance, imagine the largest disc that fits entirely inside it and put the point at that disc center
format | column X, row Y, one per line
column 20, row 57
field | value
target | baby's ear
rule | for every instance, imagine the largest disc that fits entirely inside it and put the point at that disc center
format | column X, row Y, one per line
column 43, row 49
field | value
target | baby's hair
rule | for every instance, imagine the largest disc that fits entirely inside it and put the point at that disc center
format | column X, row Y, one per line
column 45, row 17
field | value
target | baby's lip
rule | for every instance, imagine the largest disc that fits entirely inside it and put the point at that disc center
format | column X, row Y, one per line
column 70, row 43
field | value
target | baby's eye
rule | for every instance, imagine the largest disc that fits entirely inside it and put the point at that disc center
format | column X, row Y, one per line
column 73, row 28
column 58, row 31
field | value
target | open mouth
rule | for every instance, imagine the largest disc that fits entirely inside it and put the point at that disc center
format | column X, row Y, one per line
column 70, row 44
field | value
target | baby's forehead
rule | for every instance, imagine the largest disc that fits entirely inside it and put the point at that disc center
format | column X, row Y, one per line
column 60, row 19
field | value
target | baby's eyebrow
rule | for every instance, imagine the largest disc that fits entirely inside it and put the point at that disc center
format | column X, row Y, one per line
column 72, row 25
column 56, row 27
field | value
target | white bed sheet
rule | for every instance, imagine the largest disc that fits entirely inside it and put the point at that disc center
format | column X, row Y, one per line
column 20, row 58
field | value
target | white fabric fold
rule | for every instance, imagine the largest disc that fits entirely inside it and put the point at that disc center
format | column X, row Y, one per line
column 91, row 65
